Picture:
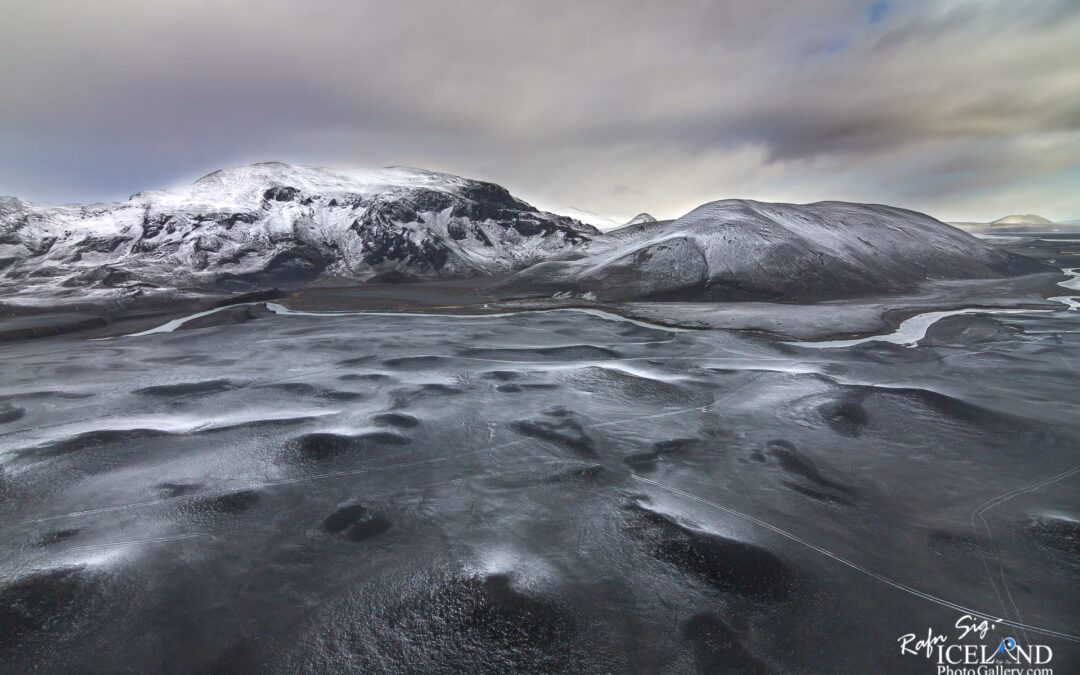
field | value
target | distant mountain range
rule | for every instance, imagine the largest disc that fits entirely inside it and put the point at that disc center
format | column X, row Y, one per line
column 1025, row 219
column 274, row 224
column 640, row 219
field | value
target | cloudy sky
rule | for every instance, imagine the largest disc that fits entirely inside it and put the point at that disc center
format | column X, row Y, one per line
column 963, row 109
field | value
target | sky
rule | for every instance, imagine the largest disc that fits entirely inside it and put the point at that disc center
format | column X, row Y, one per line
column 967, row 110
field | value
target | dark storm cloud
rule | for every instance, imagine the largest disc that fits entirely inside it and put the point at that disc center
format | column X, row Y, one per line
column 966, row 109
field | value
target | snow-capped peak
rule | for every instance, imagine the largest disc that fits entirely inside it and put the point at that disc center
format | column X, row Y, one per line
column 245, row 186
column 277, row 223
column 640, row 219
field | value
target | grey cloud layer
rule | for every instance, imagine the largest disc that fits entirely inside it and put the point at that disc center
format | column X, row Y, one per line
column 965, row 109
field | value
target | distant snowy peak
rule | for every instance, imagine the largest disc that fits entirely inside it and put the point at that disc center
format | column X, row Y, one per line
column 274, row 223
column 640, row 219
column 246, row 186
column 1015, row 224
column 1024, row 219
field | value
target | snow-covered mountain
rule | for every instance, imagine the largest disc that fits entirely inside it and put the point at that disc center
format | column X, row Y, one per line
column 746, row 250
column 1022, row 224
column 1022, row 219
column 274, row 223
column 640, row 219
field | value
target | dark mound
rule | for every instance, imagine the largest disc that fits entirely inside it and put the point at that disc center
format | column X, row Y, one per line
column 795, row 463
column 406, row 397
column 364, row 377
column 231, row 503
column 57, row 536
column 645, row 462
column 185, row 388
column 642, row 462
column 321, row 446
column 502, row 375
column 170, row 490
column 439, row 388
column 394, row 419
column 525, row 354
column 305, row 389
column 356, row 522
column 571, row 352
column 87, row 442
column 559, row 426
column 717, row 648
column 819, row 495
column 510, row 388
column 846, row 416
column 725, row 564
column 423, row 362
column 294, row 388
column 10, row 413
column 967, row 329
column 624, row 387
column 43, row 394
column 318, row 447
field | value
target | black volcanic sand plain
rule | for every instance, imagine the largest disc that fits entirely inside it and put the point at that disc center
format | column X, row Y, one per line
column 534, row 492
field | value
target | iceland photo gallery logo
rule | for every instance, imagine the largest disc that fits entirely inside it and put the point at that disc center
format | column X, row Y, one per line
column 994, row 656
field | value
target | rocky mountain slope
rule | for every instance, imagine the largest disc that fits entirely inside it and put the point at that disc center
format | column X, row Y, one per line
column 274, row 223
column 747, row 250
